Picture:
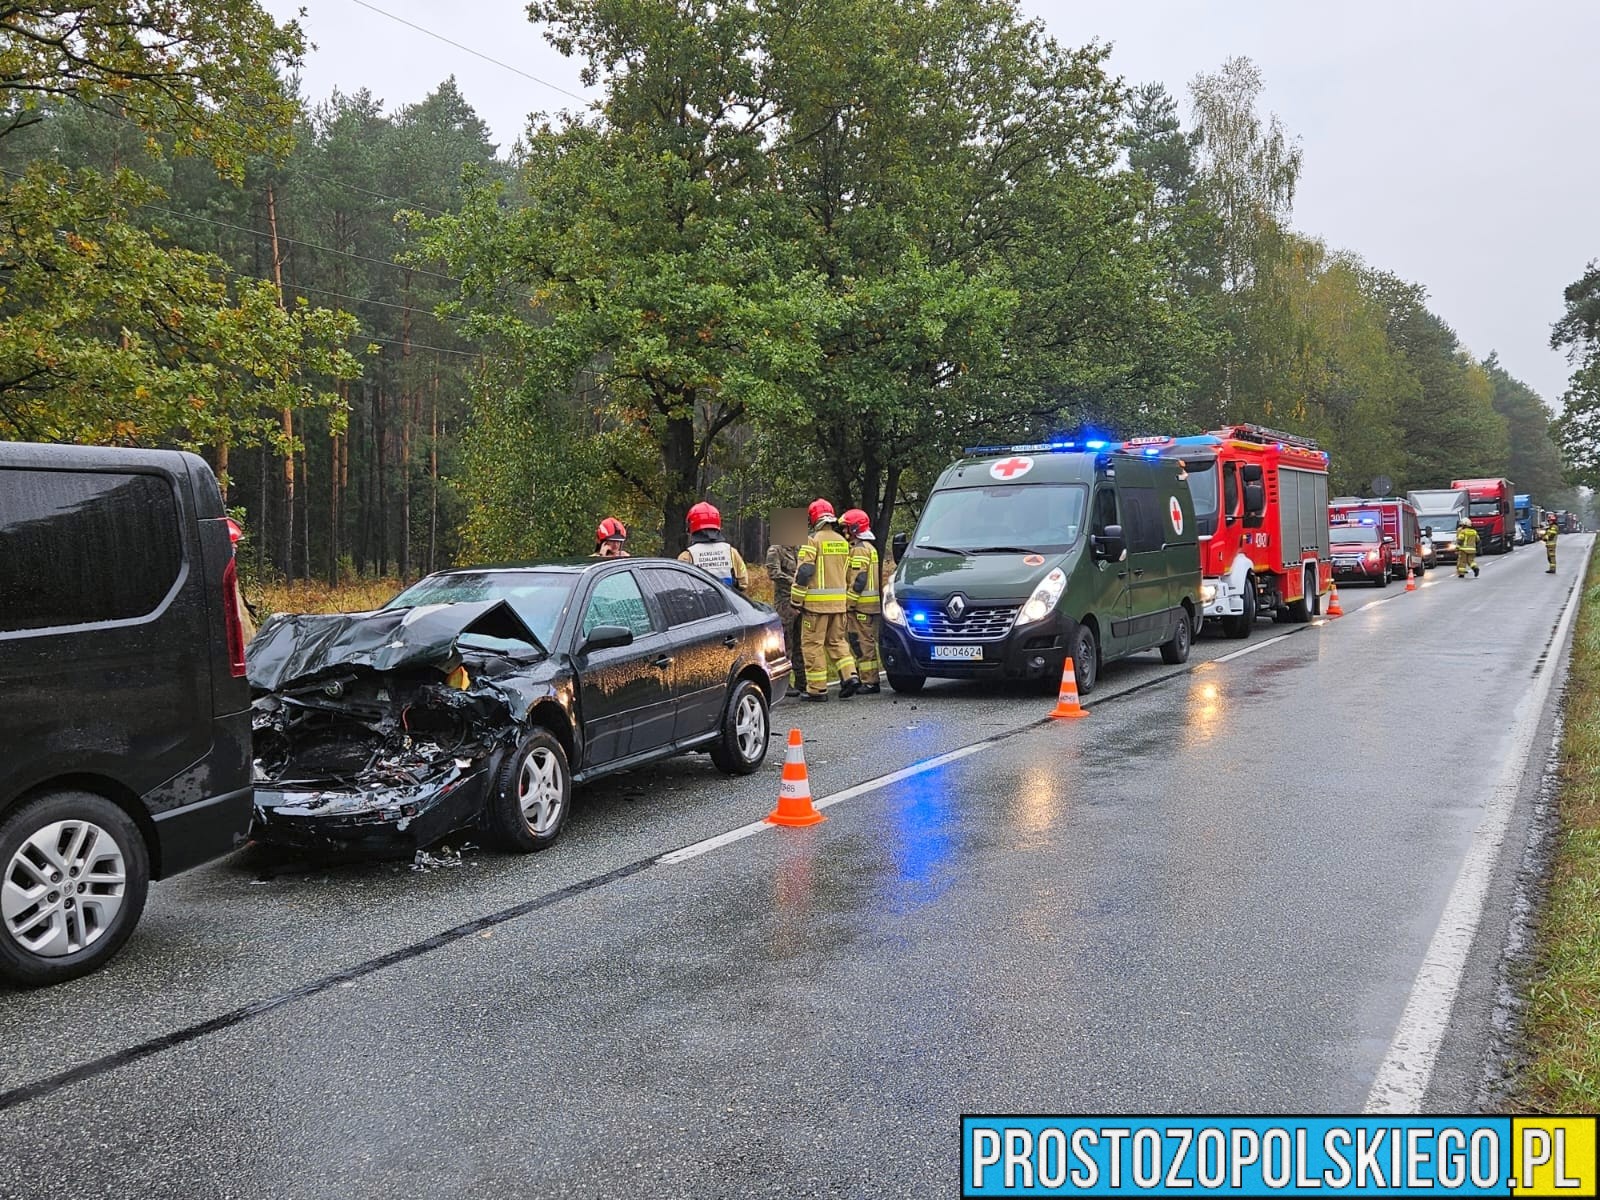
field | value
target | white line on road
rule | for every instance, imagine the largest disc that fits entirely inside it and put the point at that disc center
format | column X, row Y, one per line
column 1407, row 1068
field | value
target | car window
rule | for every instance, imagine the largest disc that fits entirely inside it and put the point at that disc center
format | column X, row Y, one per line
column 1141, row 519
column 685, row 599
column 1105, row 510
column 616, row 600
column 77, row 547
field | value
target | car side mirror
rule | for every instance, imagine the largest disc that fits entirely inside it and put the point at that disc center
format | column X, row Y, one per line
column 1388, row 539
column 898, row 544
column 604, row 637
column 1110, row 544
column 1255, row 498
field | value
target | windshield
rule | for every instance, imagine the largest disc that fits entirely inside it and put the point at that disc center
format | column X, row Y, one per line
column 1037, row 516
column 1343, row 535
column 1203, row 486
column 538, row 598
column 1486, row 508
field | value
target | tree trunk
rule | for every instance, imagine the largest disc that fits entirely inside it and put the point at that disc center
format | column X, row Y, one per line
column 222, row 469
column 380, row 441
column 885, row 517
column 433, row 475
column 287, row 415
column 263, row 521
column 406, row 398
column 683, row 475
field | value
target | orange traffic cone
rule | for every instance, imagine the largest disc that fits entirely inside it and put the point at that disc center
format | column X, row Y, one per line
column 1067, row 702
column 1335, row 609
column 794, row 795
column 1411, row 579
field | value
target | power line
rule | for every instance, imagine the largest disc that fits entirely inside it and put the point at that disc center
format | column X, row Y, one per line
column 469, row 50
column 302, row 287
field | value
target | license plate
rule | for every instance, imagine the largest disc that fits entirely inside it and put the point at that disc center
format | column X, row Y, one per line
column 958, row 653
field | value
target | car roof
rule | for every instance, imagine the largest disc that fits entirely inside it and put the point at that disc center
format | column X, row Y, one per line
column 565, row 566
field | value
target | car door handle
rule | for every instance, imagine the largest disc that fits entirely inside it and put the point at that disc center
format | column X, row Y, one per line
column 730, row 641
column 1139, row 574
column 663, row 662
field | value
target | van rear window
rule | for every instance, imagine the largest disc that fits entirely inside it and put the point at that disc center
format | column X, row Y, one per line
column 78, row 547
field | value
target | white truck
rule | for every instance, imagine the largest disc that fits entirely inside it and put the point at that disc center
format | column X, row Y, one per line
column 1439, row 511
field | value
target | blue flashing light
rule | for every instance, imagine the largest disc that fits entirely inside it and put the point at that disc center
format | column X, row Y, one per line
column 1152, row 451
column 1097, row 444
column 921, row 618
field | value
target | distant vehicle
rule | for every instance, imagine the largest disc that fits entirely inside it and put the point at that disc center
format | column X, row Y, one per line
column 1569, row 523
column 1398, row 520
column 480, row 697
column 1491, row 511
column 1527, row 513
column 1441, row 510
column 1026, row 556
column 1260, row 498
column 122, row 695
column 1360, row 550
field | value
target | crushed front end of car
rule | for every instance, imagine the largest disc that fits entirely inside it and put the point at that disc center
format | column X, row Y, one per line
column 381, row 732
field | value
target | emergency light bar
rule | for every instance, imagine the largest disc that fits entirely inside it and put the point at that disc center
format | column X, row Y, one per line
column 1260, row 433
column 1031, row 448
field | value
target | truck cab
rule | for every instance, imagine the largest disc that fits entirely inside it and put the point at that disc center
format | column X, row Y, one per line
column 1490, row 509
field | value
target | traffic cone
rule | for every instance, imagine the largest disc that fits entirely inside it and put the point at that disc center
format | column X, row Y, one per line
column 1411, row 579
column 1335, row 609
column 1067, row 702
column 794, row 794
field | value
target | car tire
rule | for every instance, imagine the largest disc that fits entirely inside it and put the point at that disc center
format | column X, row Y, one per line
column 746, row 730
column 1241, row 626
column 1383, row 577
column 1176, row 648
column 906, row 685
column 532, row 794
column 113, row 865
column 1085, row 659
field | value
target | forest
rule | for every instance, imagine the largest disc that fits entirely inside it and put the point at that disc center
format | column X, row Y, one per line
column 785, row 253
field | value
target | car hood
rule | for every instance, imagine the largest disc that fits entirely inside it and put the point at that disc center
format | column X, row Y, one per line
column 977, row 576
column 292, row 646
column 1354, row 549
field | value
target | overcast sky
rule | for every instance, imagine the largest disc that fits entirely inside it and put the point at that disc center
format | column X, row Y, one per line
column 1453, row 142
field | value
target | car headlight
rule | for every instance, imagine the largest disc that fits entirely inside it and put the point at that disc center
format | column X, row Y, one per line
column 1043, row 601
column 892, row 612
column 1208, row 593
column 1372, row 556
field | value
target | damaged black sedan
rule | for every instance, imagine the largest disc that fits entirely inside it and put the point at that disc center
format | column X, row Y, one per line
column 480, row 697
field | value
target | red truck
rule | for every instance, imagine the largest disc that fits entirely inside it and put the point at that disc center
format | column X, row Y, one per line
column 1402, row 532
column 1261, row 505
column 1490, row 508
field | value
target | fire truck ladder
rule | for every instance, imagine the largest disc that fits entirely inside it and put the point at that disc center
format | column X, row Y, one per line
column 1264, row 436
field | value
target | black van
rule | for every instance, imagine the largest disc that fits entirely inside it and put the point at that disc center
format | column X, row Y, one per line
column 124, row 709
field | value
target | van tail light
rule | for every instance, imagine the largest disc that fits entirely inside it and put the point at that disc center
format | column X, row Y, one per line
column 230, row 618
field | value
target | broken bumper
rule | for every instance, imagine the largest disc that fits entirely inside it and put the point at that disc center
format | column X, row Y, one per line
column 379, row 818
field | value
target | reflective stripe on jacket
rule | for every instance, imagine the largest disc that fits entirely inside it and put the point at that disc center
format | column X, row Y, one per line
column 830, row 554
column 864, row 557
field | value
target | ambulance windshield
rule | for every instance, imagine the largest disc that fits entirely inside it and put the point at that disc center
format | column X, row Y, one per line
column 982, row 520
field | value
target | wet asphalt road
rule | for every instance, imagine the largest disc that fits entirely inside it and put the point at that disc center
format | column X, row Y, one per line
column 1213, row 894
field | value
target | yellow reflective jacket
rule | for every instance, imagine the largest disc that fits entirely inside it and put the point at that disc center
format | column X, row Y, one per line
column 864, row 559
column 1467, row 540
column 828, row 554
column 1550, row 533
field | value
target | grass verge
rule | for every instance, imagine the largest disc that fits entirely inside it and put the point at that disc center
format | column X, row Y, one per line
column 1562, row 1022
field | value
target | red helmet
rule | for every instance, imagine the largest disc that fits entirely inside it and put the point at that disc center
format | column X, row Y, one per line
column 856, row 523
column 704, row 516
column 820, row 510
column 611, row 530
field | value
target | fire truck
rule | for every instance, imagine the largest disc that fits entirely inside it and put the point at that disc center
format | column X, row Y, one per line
column 1261, row 506
column 1402, row 530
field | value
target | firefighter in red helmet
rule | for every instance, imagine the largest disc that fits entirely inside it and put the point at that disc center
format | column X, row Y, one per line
column 820, row 593
column 609, row 539
column 709, row 551
column 864, row 604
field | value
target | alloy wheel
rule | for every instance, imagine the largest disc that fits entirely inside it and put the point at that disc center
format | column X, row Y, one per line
column 750, row 726
column 63, row 888
column 539, row 790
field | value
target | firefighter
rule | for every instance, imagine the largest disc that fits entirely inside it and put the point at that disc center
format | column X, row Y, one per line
column 782, row 563
column 709, row 551
column 1466, row 549
column 1549, row 533
column 819, row 592
column 864, row 605
column 609, row 538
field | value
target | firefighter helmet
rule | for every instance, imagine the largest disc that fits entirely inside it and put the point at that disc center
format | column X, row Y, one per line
column 857, row 524
column 611, row 530
column 704, row 516
column 1463, row 523
column 819, row 511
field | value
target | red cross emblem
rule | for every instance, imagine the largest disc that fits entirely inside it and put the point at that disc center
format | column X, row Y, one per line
column 1175, row 511
column 1010, row 468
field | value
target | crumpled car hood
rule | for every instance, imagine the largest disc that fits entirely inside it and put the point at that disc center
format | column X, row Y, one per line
column 294, row 645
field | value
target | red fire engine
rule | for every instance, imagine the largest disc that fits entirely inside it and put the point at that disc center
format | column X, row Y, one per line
column 1261, row 504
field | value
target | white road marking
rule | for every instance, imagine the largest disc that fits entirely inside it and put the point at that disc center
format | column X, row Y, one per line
column 850, row 793
column 1407, row 1068
column 1260, row 644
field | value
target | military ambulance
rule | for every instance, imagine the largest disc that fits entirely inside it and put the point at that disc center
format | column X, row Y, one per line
column 1025, row 555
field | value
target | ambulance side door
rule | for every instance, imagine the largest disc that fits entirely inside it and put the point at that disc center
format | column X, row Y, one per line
column 1109, row 600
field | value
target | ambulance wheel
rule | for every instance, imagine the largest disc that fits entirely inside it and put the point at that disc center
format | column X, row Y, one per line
column 1241, row 625
column 1176, row 648
column 1085, row 659
column 906, row 685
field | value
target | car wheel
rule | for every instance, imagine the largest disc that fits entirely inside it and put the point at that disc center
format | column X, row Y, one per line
column 1241, row 625
column 76, row 874
column 532, row 793
column 1383, row 576
column 746, row 731
column 906, row 685
column 1176, row 648
column 1085, row 659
